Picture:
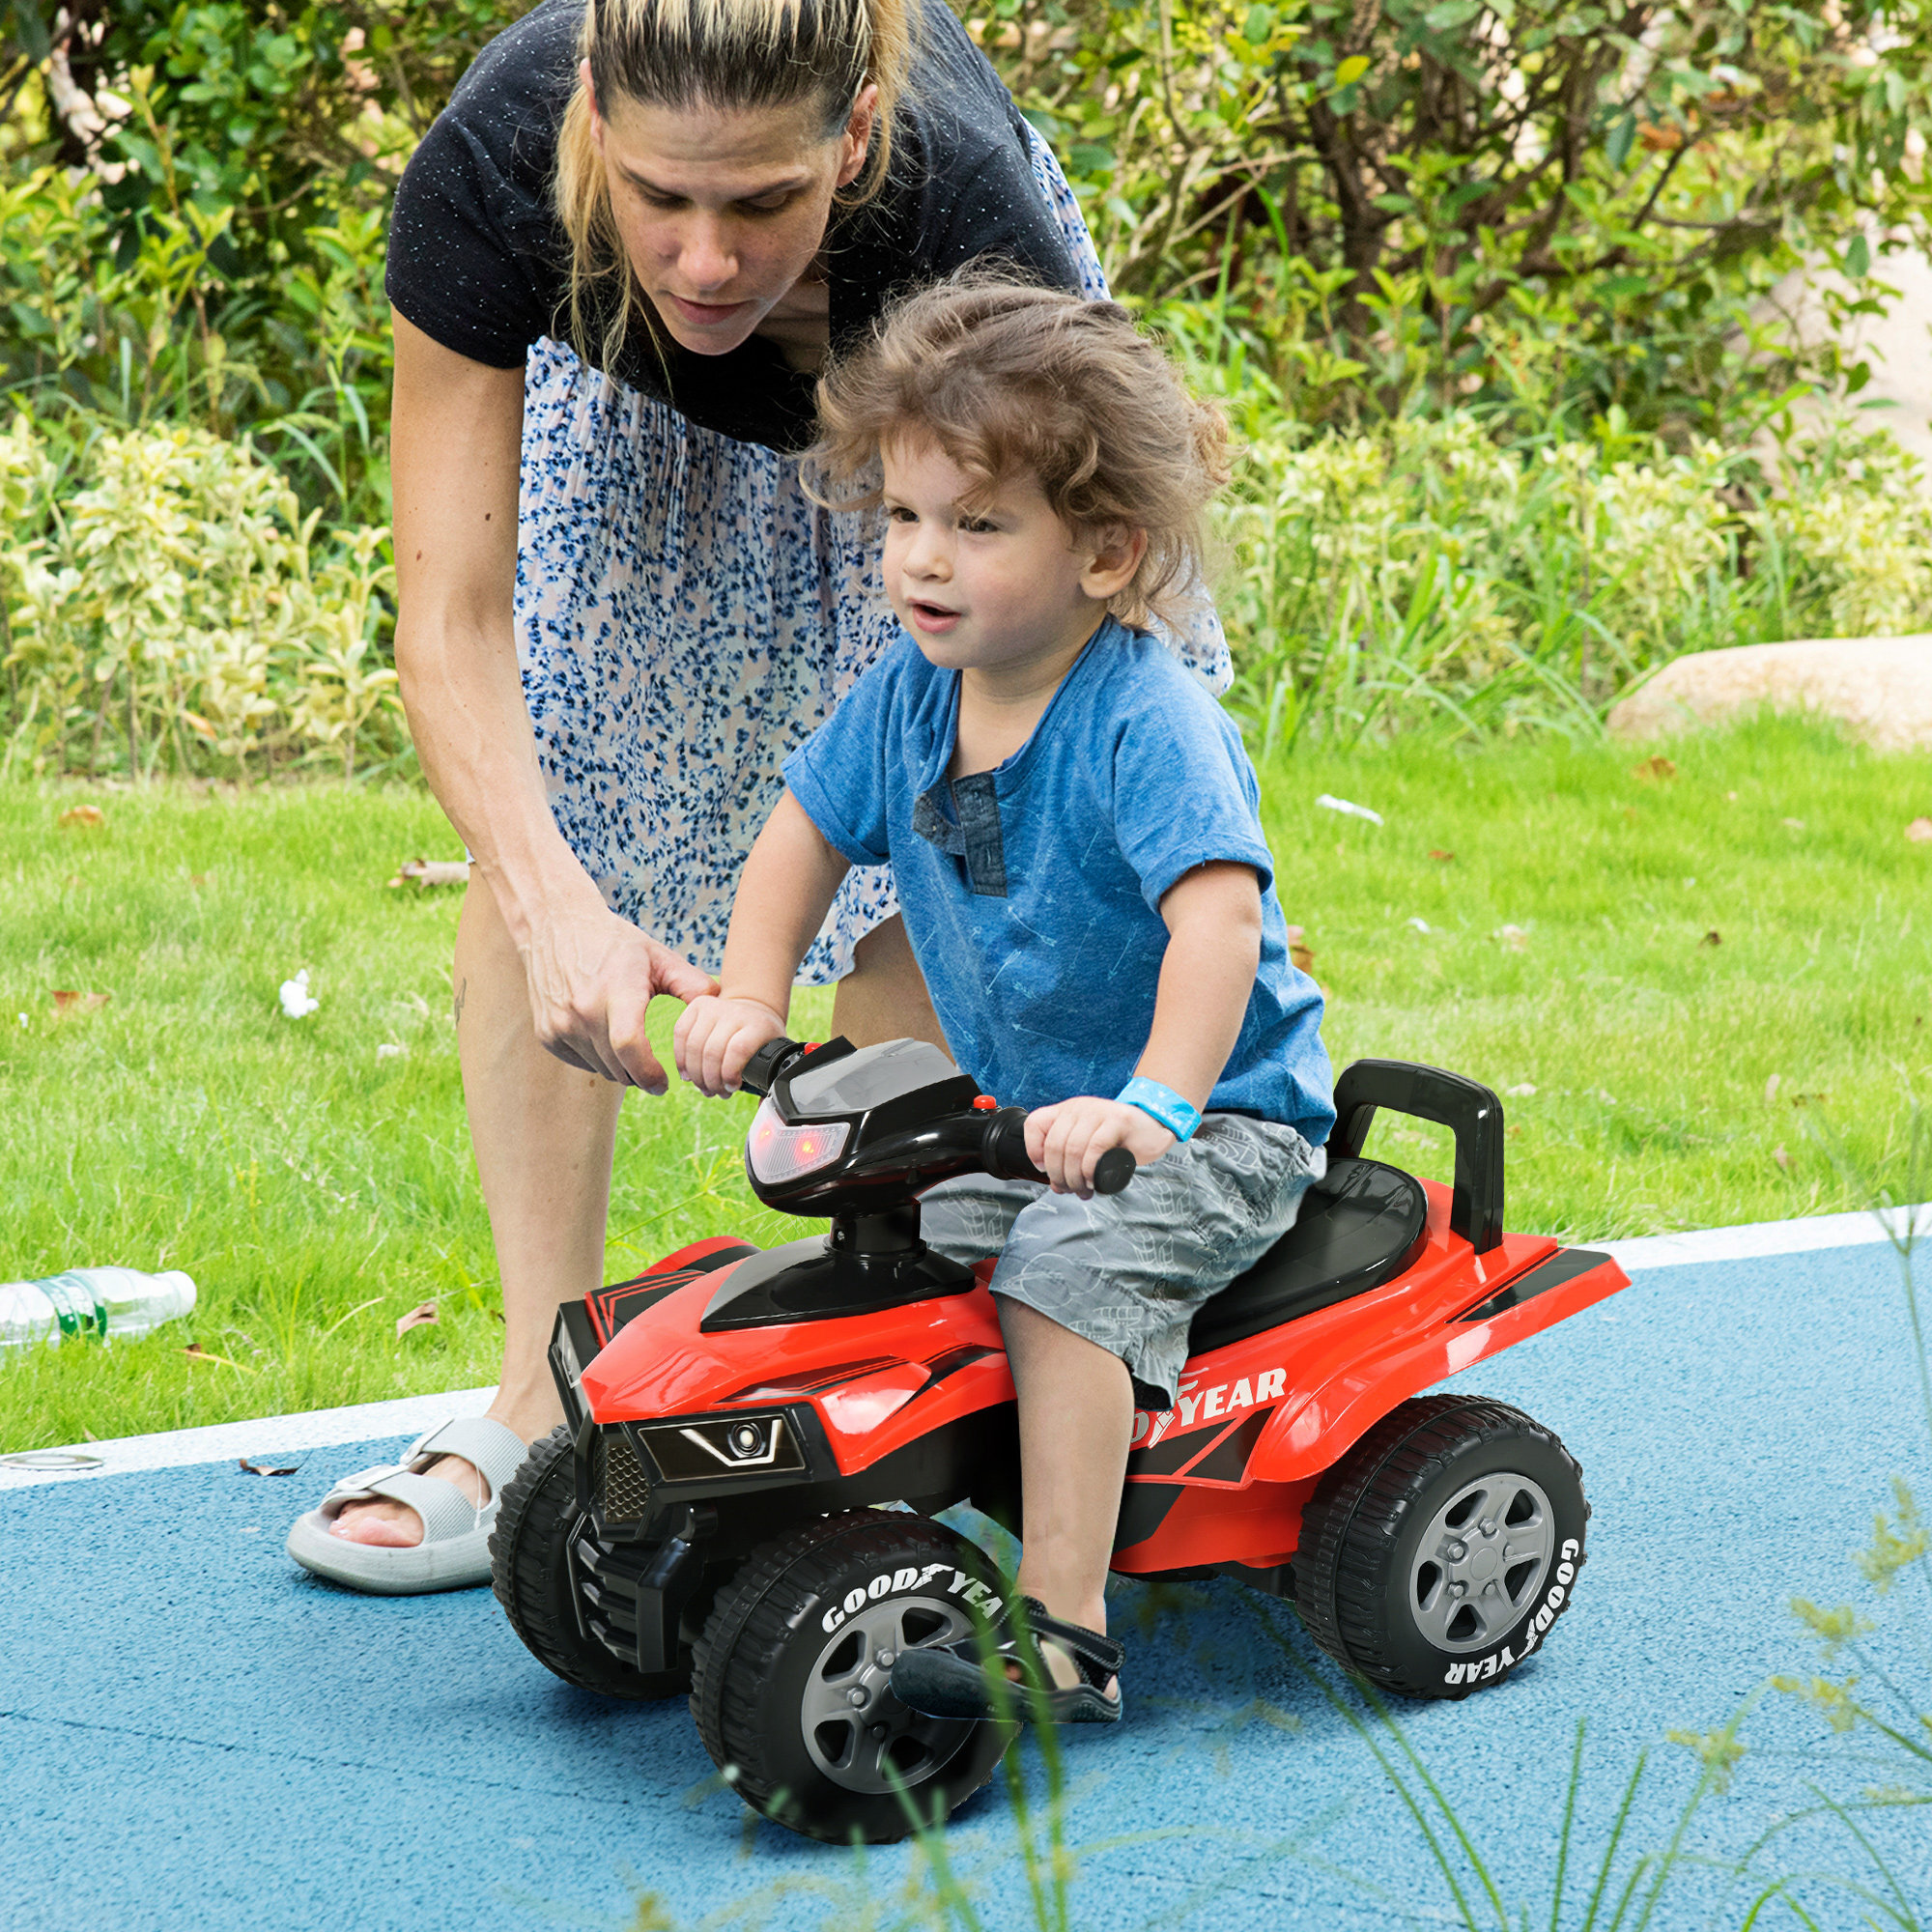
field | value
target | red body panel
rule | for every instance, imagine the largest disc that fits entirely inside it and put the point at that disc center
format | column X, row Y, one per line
column 1258, row 1421
column 663, row 1364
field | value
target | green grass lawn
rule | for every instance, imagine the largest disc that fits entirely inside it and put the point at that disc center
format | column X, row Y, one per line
column 1681, row 942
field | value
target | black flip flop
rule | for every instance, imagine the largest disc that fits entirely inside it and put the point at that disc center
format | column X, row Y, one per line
column 949, row 1681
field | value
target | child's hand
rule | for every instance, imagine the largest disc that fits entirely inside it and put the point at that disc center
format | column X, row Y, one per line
column 1068, row 1138
column 716, row 1036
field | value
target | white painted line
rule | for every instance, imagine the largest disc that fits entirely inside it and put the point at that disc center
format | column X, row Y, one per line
column 410, row 1415
column 1760, row 1238
column 273, row 1435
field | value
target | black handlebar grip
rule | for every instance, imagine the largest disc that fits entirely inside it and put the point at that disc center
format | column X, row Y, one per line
column 1004, row 1147
column 764, row 1066
column 1006, row 1155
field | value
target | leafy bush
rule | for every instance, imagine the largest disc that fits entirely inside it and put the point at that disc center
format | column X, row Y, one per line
column 171, row 613
column 1538, row 207
column 1504, row 257
column 195, row 214
column 1420, row 572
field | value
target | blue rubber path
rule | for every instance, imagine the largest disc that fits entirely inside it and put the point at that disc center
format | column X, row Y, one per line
column 198, row 1735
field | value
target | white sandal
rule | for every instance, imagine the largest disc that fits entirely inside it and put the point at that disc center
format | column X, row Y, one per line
column 454, row 1553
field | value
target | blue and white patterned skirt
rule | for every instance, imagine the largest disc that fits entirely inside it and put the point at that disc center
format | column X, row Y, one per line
column 685, row 617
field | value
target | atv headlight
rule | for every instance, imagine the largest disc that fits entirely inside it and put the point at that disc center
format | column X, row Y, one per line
column 778, row 1152
column 734, row 1445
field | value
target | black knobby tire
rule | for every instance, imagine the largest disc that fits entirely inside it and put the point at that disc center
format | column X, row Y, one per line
column 531, row 1570
column 1444, row 1491
column 798, row 1630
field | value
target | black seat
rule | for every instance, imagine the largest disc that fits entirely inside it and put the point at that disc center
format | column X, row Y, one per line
column 1362, row 1225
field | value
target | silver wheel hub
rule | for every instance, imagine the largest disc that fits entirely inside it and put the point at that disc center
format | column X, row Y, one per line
column 1483, row 1558
column 856, row 1731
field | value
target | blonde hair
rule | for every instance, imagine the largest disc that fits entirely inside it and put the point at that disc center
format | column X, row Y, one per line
column 1011, row 379
column 722, row 53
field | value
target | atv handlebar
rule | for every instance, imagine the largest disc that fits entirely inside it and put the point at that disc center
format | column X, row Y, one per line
column 766, row 1064
column 1002, row 1144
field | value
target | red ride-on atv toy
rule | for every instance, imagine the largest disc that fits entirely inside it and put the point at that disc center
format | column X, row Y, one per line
column 714, row 1517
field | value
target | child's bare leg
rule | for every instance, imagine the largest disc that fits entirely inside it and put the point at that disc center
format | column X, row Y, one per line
column 1076, row 1407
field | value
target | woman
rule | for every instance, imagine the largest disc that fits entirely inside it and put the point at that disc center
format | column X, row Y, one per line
column 618, row 263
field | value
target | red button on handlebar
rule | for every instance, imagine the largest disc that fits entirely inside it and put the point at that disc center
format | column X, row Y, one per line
column 985, row 1103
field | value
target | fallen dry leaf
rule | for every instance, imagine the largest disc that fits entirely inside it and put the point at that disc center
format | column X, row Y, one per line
column 433, row 873
column 201, row 878
column 1919, row 832
column 1712, row 938
column 1514, row 938
column 1778, row 1154
column 249, row 1468
column 1656, row 769
column 421, row 1317
column 1443, row 857
column 1299, row 951
column 68, row 1000
column 84, row 816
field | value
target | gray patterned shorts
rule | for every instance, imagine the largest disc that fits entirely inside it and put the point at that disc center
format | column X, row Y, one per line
column 686, row 616
column 1130, row 1270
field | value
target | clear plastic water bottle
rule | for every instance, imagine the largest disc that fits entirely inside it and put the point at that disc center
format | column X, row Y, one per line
column 102, row 1301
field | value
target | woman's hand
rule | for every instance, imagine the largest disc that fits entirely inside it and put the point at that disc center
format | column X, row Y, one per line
column 716, row 1038
column 592, row 976
column 1066, row 1140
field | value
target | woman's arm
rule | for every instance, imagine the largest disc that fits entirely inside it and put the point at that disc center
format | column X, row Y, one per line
column 455, row 439
column 1213, row 919
column 783, row 894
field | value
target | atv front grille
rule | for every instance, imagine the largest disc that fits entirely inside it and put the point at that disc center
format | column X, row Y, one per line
column 623, row 1489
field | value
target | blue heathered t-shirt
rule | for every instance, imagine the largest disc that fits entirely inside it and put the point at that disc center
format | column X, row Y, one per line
column 1031, row 893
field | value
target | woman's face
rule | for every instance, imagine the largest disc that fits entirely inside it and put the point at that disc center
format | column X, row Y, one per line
column 721, row 210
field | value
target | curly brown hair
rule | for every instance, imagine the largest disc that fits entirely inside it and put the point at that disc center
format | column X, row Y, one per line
column 1009, row 378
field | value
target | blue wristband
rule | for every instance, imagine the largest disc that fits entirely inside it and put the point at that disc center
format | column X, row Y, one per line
column 1160, row 1104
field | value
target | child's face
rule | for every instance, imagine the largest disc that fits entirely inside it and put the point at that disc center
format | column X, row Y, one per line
column 995, row 585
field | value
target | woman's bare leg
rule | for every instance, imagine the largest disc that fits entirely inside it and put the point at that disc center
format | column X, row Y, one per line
column 542, row 1135
column 884, row 997
column 1076, row 1405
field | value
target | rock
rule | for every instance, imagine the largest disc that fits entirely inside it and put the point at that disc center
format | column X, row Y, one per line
column 1880, row 689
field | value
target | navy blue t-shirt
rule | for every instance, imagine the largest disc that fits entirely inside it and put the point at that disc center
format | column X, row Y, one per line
column 1031, row 892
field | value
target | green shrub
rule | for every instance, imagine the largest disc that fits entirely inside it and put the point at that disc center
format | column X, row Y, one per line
column 1420, row 572
column 1541, row 208
column 177, row 612
column 1503, row 257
